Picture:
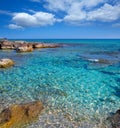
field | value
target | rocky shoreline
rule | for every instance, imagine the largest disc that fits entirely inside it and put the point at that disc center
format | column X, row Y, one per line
column 19, row 115
column 23, row 46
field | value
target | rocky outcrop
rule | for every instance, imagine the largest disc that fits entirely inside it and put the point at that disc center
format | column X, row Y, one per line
column 5, row 45
column 17, row 115
column 115, row 119
column 4, row 63
column 24, row 48
column 19, row 44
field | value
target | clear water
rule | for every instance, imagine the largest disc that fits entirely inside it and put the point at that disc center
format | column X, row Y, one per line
column 80, row 92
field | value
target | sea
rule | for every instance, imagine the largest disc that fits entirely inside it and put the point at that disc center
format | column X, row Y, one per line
column 78, row 83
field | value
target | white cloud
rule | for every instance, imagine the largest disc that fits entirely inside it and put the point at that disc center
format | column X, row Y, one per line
column 66, row 5
column 14, row 26
column 72, row 18
column 58, row 5
column 85, row 10
column 105, row 13
column 75, row 12
column 32, row 20
column 91, row 3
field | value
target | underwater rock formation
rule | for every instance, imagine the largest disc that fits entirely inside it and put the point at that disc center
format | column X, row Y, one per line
column 44, row 45
column 100, row 61
column 115, row 119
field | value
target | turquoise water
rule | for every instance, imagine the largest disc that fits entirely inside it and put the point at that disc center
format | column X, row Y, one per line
column 69, row 85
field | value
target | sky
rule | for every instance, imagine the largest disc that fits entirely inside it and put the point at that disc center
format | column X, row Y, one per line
column 45, row 19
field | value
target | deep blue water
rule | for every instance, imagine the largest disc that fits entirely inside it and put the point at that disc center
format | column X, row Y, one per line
column 65, row 80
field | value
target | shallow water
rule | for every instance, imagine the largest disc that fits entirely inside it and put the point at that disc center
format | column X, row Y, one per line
column 75, row 91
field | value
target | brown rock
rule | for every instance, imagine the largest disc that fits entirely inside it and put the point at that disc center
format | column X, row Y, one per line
column 19, row 44
column 37, row 45
column 25, row 48
column 5, row 45
column 4, row 63
column 17, row 115
column 5, row 116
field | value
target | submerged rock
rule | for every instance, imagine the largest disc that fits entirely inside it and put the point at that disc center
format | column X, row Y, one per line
column 17, row 115
column 45, row 45
column 4, row 63
column 104, row 61
column 107, row 53
column 100, row 61
column 115, row 119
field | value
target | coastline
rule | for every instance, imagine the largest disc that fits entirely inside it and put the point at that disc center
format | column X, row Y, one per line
column 47, row 66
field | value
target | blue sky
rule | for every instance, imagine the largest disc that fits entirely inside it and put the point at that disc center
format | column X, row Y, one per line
column 60, row 19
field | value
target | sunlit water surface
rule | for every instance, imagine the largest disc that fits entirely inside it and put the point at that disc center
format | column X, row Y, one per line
column 76, row 93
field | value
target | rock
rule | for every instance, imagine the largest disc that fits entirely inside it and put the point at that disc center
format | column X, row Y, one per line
column 45, row 45
column 24, row 48
column 19, row 44
column 4, row 63
column 50, row 45
column 5, row 115
column 115, row 119
column 37, row 45
column 17, row 115
column 5, row 45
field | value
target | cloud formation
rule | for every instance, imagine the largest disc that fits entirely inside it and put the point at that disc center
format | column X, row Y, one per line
column 84, row 10
column 106, row 13
column 33, row 20
column 74, row 11
column 68, row 5
column 14, row 26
